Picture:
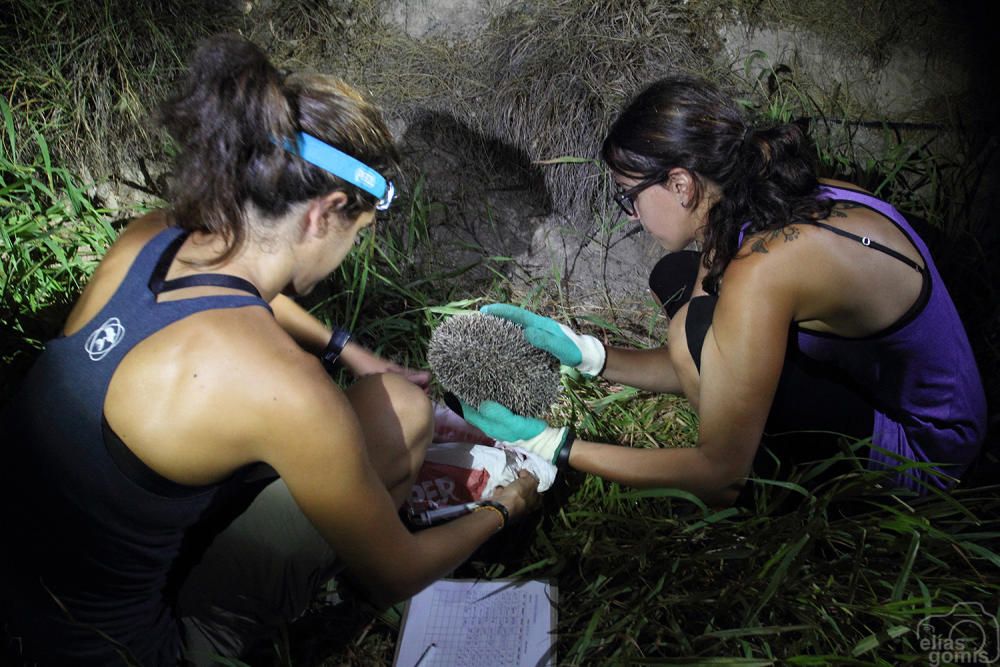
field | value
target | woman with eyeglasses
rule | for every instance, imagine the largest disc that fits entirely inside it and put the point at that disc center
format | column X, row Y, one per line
column 806, row 305
column 181, row 475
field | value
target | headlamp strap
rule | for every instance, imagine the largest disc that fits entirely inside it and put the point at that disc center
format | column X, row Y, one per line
column 338, row 163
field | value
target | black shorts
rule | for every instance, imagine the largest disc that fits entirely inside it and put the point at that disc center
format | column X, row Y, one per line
column 810, row 396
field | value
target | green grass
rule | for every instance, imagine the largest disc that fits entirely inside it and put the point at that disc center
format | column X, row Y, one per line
column 53, row 235
column 87, row 72
column 842, row 574
column 384, row 294
column 759, row 584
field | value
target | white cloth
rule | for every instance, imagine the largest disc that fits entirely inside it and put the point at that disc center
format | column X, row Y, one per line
column 502, row 461
column 459, row 443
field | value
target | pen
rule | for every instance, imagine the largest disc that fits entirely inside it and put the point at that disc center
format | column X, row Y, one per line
column 433, row 516
column 426, row 655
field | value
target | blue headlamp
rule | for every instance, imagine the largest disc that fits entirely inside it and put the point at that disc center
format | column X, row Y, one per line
column 342, row 165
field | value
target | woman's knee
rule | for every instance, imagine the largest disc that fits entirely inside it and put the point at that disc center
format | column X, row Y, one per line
column 398, row 421
column 412, row 406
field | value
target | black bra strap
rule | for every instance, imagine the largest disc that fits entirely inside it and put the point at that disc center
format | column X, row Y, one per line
column 163, row 264
column 158, row 284
column 865, row 241
column 210, row 280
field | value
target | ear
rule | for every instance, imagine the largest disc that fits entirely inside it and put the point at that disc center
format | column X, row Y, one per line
column 680, row 182
column 318, row 215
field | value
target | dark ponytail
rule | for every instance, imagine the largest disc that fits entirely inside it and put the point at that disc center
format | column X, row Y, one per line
column 229, row 119
column 767, row 176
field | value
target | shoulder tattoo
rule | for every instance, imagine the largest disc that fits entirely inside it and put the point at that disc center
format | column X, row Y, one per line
column 840, row 209
column 789, row 233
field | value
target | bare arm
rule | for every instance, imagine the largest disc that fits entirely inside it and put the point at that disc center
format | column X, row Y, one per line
column 691, row 469
column 651, row 370
column 312, row 335
column 314, row 441
column 741, row 362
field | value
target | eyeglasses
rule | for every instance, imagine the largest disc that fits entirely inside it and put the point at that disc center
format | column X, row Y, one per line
column 625, row 198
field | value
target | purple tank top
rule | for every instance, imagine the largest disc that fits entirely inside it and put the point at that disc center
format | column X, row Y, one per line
column 919, row 374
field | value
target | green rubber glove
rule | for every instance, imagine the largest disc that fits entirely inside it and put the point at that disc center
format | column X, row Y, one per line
column 585, row 353
column 552, row 444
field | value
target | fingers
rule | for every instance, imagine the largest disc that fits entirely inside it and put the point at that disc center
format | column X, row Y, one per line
column 517, row 315
column 542, row 332
column 497, row 421
column 488, row 423
column 420, row 378
column 521, row 495
column 494, row 410
column 528, row 484
column 488, row 410
column 531, row 480
column 525, row 482
column 555, row 344
column 506, row 425
column 525, row 485
column 471, row 415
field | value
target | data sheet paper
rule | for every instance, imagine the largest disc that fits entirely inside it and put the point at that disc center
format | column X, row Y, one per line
column 502, row 623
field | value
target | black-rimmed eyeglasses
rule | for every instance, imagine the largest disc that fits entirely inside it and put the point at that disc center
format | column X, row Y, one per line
column 625, row 198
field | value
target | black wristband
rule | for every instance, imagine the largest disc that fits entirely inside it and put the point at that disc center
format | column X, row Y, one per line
column 332, row 351
column 562, row 457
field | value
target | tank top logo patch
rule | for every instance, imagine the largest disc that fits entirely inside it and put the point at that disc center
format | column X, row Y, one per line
column 104, row 339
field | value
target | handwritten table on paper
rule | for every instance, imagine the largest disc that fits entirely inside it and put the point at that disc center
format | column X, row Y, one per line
column 505, row 623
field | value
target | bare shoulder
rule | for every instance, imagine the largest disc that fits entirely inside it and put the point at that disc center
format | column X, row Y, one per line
column 778, row 256
column 261, row 364
column 113, row 267
column 788, row 264
column 835, row 183
column 769, row 240
column 136, row 234
column 289, row 392
column 295, row 415
column 220, row 389
column 848, row 209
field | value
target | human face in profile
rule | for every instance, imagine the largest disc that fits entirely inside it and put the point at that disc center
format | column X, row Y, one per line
column 661, row 206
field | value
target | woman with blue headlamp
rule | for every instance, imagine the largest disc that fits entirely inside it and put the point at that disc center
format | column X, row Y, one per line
column 180, row 471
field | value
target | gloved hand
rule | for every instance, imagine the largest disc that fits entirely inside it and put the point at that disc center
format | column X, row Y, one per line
column 585, row 353
column 534, row 435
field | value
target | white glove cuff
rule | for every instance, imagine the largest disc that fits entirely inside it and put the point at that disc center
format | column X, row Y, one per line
column 591, row 350
column 546, row 444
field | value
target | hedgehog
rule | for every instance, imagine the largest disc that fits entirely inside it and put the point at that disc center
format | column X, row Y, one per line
column 480, row 357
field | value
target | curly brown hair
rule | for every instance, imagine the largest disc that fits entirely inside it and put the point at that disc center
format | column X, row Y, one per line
column 766, row 175
column 230, row 118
